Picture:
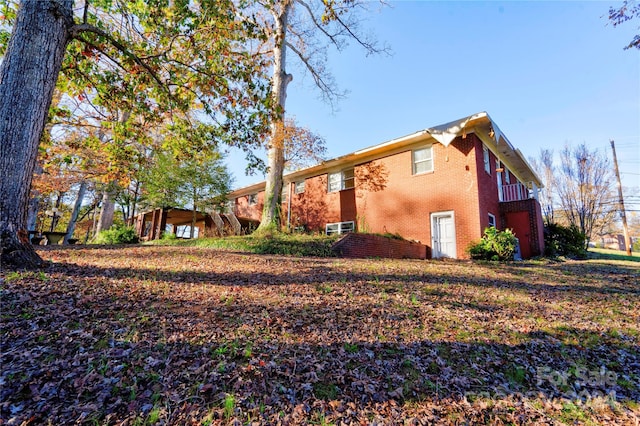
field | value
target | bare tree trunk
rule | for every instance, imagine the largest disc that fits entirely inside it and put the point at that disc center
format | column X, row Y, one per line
column 194, row 215
column 55, row 217
column 32, row 212
column 106, row 213
column 34, row 204
column 279, row 81
column 71, row 227
column 108, row 196
column 134, row 201
column 28, row 75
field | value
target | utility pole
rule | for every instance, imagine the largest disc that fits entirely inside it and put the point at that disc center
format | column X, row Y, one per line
column 627, row 240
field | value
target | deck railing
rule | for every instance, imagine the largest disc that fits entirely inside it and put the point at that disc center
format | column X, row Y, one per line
column 518, row 191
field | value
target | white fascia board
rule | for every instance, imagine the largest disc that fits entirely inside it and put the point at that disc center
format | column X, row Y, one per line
column 390, row 143
column 446, row 133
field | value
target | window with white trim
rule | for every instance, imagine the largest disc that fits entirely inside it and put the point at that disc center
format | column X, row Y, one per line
column 492, row 220
column 340, row 180
column 422, row 160
column 485, row 156
column 340, row 227
column 252, row 199
column 507, row 176
column 285, row 192
column 299, row 189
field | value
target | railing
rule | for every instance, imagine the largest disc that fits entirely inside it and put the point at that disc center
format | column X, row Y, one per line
column 517, row 192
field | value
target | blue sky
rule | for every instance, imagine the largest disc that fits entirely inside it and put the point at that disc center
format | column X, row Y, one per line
column 548, row 73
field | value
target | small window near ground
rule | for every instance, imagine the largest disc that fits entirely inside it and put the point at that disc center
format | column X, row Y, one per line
column 252, row 199
column 423, row 160
column 299, row 187
column 340, row 227
column 340, row 180
column 485, row 156
column 492, row 220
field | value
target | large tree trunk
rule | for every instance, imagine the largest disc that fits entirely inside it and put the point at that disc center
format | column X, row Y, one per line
column 28, row 76
column 279, row 81
column 107, row 211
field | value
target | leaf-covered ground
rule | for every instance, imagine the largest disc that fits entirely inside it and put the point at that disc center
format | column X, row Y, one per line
column 167, row 335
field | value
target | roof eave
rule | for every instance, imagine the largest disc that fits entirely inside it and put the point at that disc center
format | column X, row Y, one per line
column 480, row 123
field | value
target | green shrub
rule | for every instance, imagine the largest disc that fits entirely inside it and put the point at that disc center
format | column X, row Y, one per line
column 564, row 241
column 168, row 236
column 117, row 235
column 494, row 245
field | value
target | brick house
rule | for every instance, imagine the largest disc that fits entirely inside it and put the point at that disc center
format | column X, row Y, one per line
column 440, row 186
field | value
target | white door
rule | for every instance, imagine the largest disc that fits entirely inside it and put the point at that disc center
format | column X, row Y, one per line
column 443, row 235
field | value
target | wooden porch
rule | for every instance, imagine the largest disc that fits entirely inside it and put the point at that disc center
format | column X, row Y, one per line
column 151, row 225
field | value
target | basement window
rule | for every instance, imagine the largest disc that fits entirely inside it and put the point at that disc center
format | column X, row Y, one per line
column 492, row 220
column 340, row 227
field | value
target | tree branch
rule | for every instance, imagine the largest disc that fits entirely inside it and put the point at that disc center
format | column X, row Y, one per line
column 323, row 85
column 85, row 11
column 318, row 25
column 78, row 29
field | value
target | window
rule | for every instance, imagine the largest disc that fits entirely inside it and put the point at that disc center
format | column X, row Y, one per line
column 507, row 176
column 252, row 199
column 340, row 227
column 492, row 220
column 299, row 189
column 340, row 180
column 285, row 192
column 423, row 160
column 485, row 155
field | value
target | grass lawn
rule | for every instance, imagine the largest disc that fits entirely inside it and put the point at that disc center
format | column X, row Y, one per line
column 145, row 335
column 599, row 253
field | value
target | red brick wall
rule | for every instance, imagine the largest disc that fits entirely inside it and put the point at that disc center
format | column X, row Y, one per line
column 244, row 210
column 310, row 208
column 389, row 199
column 487, row 189
column 405, row 204
column 365, row 245
column 528, row 228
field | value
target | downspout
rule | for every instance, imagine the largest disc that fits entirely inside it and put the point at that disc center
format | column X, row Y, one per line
column 289, row 208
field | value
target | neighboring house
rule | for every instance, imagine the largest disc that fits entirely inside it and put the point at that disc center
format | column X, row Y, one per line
column 613, row 242
column 441, row 186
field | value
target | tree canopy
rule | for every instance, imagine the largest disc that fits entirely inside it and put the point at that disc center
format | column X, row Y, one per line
column 579, row 189
column 304, row 30
column 123, row 67
column 624, row 13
